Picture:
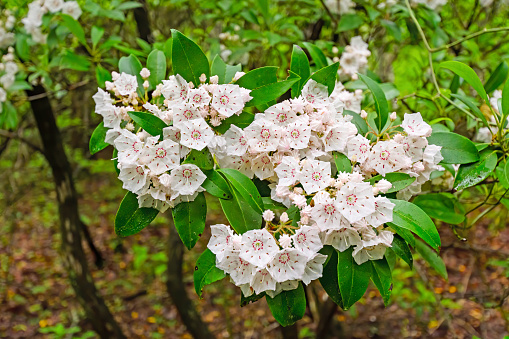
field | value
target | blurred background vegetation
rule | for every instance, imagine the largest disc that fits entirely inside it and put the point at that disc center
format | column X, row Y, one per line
column 132, row 274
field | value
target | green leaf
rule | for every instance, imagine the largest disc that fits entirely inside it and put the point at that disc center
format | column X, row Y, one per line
column 156, row 64
column 130, row 218
column 96, row 35
column 218, row 68
column 468, row 74
column 258, row 77
column 470, row 104
column 244, row 301
column 216, row 185
column 505, row 101
column 503, row 173
column 128, row 5
column 102, row 75
column 316, row 54
column 381, row 106
column 432, row 258
column 203, row 159
column 131, row 65
column 22, row 48
column 231, row 71
column 472, row 174
column 241, row 121
column 409, row 216
column 74, row 61
column 327, row 76
column 206, row 272
column 398, row 180
column 348, row 22
column 149, row 122
column 239, row 213
column 360, row 123
column 299, row 65
column 382, row 278
column 441, row 206
column 245, row 187
column 269, row 204
column 270, row 92
column 75, row 27
column 97, row 142
column 353, row 279
column 288, row 306
column 329, row 278
column 456, row 149
column 188, row 59
column 497, row 78
column 189, row 218
column 343, row 164
column 400, row 247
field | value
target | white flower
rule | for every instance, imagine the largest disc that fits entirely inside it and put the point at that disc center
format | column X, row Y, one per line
column 288, row 171
column 414, row 125
column 129, row 147
column 3, row 95
column 133, row 176
column 285, row 241
column 284, row 217
column 175, row 89
column 356, row 201
column 298, row 132
column 262, row 135
column 383, row 212
column 315, row 93
column 383, row 185
column 373, row 248
column 236, row 143
column 287, row 264
column 239, row 270
column 414, row 147
column 227, row 100
column 263, row 281
column 314, row 268
column 268, row 215
column 199, row 97
column 281, row 114
column 184, row 112
column 262, row 166
column 258, row 247
column 307, row 240
column 340, row 6
column 388, row 156
column 325, row 211
column 196, row 134
column 54, row 5
column 337, row 136
column 315, row 175
column 126, row 84
column 221, row 240
column 72, row 8
column 432, row 155
column 284, row 286
column 342, row 239
column 359, row 147
column 163, row 156
column 186, row 179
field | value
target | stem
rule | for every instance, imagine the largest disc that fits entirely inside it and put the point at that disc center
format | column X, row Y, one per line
column 468, row 37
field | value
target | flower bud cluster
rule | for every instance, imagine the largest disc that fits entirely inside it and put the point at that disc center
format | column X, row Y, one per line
column 7, row 38
column 354, row 58
column 8, row 71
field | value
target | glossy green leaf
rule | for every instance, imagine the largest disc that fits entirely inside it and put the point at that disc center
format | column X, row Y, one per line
column 242, row 120
column 74, row 61
column 156, row 64
column 231, row 70
column 188, row 59
column 270, row 92
column 503, row 173
column 497, row 78
column 97, row 142
column 288, row 306
column 239, row 213
column 299, row 65
column 382, row 278
column 149, row 122
column 468, row 74
column 441, row 206
column 269, row 204
column 75, row 27
column 130, row 218
column 343, row 164
column 189, row 219
column 102, row 75
column 472, row 174
column 473, row 108
column 360, row 123
column 505, row 101
column 353, row 279
column 401, row 248
column 411, row 217
column 316, row 54
column 327, row 76
column 348, row 22
column 456, row 149
column 131, row 65
column 258, row 77
column 329, row 278
column 203, row 159
column 218, row 68
column 381, row 106
column 398, row 180
column 244, row 301
column 96, row 35
column 431, row 258
column 216, row 185
column 245, row 187
column 206, row 272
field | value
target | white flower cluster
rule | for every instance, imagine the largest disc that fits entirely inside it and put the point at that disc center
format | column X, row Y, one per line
column 484, row 134
column 432, row 4
column 144, row 161
column 8, row 70
column 7, row 38
column 340, row 6
column 38, row 8
column 354, row 58
column 257, row 263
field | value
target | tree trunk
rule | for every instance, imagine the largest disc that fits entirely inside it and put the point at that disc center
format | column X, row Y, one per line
column 177, row 289
column 142, row 22
column 73, row 257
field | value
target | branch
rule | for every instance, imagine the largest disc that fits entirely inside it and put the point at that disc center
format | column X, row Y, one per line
column 468, row 37
column 11, row 135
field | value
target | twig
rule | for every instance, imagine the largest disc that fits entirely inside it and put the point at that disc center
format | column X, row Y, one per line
column 333, row 18
column 11, row 135
column 468, row 37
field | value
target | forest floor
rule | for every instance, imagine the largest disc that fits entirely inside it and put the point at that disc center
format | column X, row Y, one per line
column 36, row 297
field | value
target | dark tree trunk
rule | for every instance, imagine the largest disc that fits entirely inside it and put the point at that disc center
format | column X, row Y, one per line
column 177, row 289
column 142, row 22
column 73, row 257
column 290, row 332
